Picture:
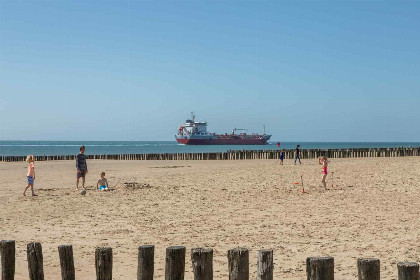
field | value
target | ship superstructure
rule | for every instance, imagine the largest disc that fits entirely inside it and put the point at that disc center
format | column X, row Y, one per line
column 195, row 133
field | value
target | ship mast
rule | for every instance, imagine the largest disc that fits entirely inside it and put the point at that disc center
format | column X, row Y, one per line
column 193, row 116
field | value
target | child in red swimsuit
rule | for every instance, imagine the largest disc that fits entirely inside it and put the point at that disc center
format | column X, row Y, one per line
column 324, row 162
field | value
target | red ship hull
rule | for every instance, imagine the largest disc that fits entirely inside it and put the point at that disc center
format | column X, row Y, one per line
column 190, row 141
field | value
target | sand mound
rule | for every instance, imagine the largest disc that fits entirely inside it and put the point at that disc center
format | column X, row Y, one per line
column 135, row 186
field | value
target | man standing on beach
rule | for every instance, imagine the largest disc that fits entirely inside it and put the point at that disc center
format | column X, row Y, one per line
column 81, row 167
column 297, row 154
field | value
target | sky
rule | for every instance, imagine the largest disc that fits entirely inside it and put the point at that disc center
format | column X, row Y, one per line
column 135, row 70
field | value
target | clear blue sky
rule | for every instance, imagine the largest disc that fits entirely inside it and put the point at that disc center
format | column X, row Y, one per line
column 134, row 70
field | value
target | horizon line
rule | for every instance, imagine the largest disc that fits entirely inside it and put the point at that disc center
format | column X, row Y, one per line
column 273, row 141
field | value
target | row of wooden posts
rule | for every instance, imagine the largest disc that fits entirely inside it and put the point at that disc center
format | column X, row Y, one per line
column 241, row 155
column 317, row 268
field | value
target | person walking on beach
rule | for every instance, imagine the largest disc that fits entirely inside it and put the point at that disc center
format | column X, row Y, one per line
column 324, row 162
column 281, row 157
column 297, row 154
column 31, row 174
column 81, row 167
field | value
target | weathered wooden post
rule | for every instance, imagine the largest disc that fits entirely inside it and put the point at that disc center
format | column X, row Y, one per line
column 408, row 271
column 145, row 266
column 65, row 253
column 103, row 263
column 238, row 262
column 320, row 268
column 368, row 269
column 175, row 263
column 202, row 263
column 7, row 256
column 265, row 265
column 35, row 261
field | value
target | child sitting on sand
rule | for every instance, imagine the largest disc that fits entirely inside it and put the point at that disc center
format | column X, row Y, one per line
column 102, row 184
column 31, row 174
column 324, row 162
column 281, row 157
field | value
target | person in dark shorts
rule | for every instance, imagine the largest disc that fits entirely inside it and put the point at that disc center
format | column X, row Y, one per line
column 281, row 157
column 297, row 154
column 81, row 167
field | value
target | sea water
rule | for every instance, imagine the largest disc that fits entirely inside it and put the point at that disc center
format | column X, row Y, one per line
column 38, row 148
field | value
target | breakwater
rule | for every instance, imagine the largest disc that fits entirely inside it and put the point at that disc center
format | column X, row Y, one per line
column 317, row 268
column 241, row 155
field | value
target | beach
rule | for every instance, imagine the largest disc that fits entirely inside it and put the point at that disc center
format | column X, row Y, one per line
column 372, row 211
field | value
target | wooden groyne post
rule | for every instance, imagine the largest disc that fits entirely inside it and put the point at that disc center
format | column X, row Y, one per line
column 408, row 271
column 202, row 263
column 238, row 263
column 369, row 269
column 7, row 256
column 265, row 265
column 35, row 261
column 175, row 263
column 103, row 263
column 320, row 268
column 145, row 267
column 65, row 253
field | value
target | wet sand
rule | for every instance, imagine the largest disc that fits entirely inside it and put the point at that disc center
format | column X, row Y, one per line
column 373, row 211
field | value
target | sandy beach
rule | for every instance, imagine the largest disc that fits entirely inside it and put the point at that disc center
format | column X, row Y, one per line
column 373, row 211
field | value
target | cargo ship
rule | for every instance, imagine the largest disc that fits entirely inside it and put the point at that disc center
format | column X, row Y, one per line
column 195, row 133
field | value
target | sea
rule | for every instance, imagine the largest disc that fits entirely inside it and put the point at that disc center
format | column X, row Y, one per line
column 39, row 148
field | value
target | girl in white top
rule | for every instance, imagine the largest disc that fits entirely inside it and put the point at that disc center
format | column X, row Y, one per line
column 31, row 174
